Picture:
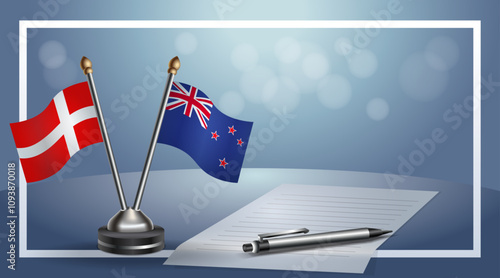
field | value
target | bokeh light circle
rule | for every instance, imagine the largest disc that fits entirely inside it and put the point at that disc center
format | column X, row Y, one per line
column 52, row 54
column 231, row 103
column 377, row 109
column 63, row 76
column 252, row 83
column 287, row 50
column 334, row 91
column 186, row 43
column 281, row 93
column 244, row 57
column 315, row 66
column 421, row 81
column 363, row 63
column 446, row 49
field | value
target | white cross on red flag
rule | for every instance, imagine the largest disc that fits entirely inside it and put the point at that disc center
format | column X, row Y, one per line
column 47, row 141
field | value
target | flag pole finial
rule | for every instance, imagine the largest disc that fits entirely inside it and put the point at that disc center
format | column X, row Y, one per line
column 86, row 65
column 174, row 65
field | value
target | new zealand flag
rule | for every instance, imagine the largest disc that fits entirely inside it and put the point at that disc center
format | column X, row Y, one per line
column 216, row 142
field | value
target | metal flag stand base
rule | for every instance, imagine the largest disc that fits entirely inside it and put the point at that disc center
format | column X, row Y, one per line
column 131, row 243
column 130, row 231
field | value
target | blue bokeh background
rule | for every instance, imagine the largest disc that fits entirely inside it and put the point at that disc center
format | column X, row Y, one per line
column 350, row 99
column 370, row 120
column 327, row 90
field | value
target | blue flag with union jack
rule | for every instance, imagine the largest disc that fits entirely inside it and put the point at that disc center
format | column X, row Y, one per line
column 216, row 142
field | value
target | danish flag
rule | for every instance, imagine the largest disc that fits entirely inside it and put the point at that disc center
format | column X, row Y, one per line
column 183, row 94
column 47, row 141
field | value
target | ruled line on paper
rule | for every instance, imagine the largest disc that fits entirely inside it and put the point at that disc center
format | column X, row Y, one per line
column 347, row 197
column 319, row 215
column 340, row 202
column 315, row 220
column 334, row 211
column 292, row 224
column 306, row 205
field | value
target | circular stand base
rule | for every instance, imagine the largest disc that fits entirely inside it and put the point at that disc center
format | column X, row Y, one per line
column 131, row 243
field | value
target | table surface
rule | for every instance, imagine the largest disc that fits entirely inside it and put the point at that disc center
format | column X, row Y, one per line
column 66, row 215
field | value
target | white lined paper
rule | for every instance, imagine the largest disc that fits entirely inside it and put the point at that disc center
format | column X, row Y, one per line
column 318, row 208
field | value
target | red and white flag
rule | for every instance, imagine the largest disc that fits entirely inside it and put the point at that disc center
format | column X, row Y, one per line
column 47, row 141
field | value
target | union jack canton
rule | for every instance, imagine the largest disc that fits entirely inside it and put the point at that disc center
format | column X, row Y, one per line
column 185, row 95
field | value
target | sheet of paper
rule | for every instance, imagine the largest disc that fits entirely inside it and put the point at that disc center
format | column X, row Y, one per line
column 318, row 208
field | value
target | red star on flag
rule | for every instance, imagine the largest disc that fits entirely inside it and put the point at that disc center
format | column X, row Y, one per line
column 231, row 129
column 215, row 135
column 223, row 162
column 240, row 142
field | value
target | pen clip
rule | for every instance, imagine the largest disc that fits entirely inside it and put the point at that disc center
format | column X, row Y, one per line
column 282, row 233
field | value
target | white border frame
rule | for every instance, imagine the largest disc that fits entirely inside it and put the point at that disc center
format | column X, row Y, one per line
column 475, row 25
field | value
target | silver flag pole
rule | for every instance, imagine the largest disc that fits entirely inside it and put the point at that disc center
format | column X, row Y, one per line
column 173, row 67
column 86, row 66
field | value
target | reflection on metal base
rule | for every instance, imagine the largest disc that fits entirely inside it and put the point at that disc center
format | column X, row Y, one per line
column 131, row 243
column 130, row 221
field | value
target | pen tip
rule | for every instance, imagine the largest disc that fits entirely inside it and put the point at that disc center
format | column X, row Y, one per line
column 378, row 232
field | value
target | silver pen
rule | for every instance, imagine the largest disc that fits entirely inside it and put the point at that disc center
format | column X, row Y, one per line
column 266, row 244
